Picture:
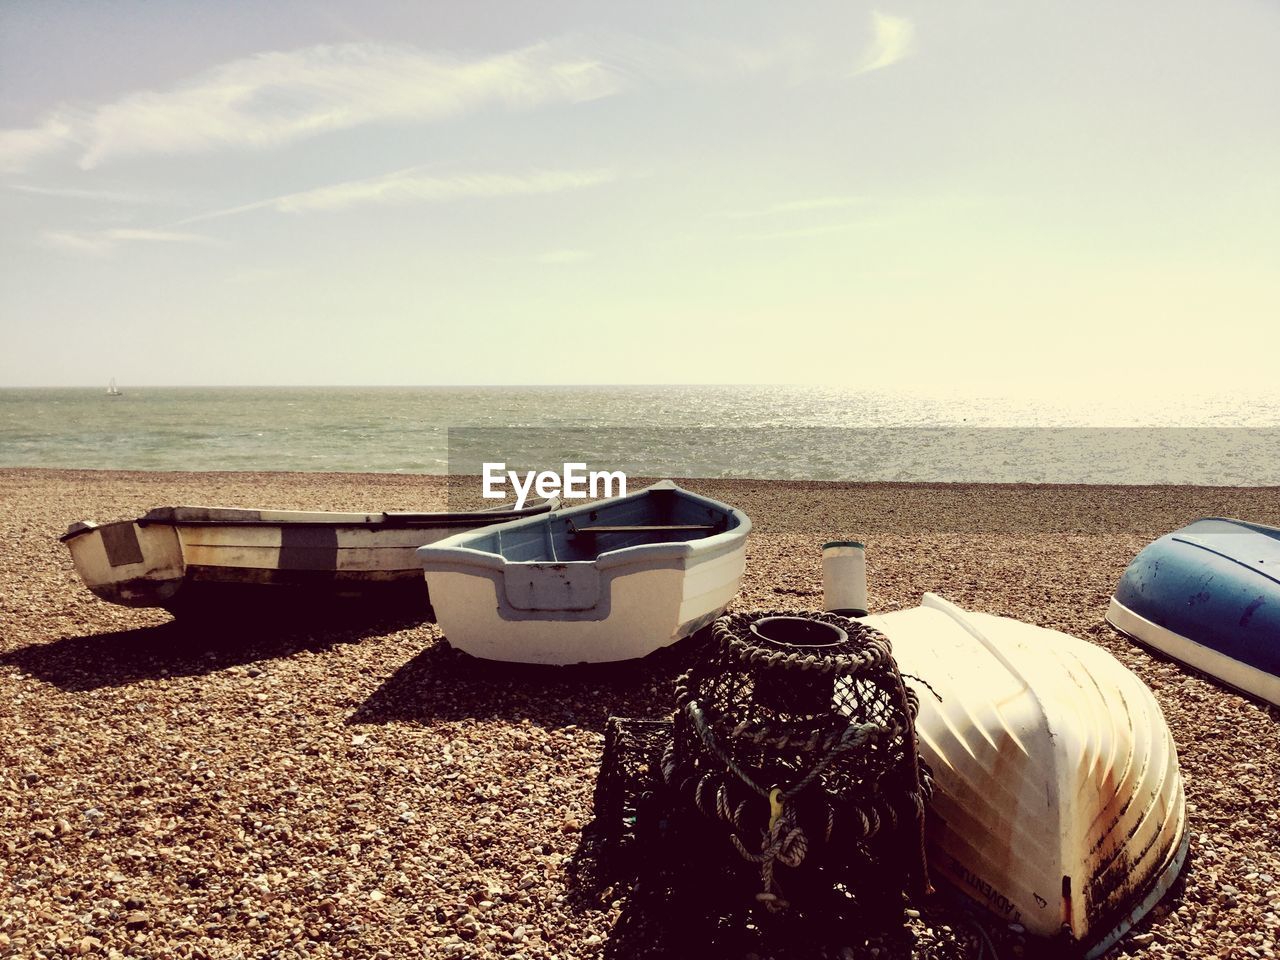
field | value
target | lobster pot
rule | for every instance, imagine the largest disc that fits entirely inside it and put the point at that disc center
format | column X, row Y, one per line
column 795, row 737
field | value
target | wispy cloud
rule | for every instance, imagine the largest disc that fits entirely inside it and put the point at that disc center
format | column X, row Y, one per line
column 415, row 186
column 159, row 236
column 21, row 148
column 102, row 242
column 76, row 193
column 890, row 43
column 280, row 97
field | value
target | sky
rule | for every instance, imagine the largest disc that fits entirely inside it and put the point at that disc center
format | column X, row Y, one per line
column 1036, row 195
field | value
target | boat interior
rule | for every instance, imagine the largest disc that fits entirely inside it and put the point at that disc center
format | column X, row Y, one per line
column 581, row 535
column 232, row 516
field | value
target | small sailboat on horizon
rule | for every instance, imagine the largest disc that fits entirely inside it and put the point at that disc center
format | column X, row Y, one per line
column 113, row 390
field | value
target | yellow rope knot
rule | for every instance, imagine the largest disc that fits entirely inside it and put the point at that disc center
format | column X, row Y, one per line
column 783, row 842
column 775, row 806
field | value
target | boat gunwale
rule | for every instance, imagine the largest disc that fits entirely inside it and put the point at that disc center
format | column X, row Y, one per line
column 450, row 553
column 387, row 520
column 1160, row 640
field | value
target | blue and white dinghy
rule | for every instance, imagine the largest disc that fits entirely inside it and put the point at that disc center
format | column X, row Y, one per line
column 1208, row 595
column 606, row 581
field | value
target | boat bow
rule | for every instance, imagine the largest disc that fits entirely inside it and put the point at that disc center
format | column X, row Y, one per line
column 1059, row 804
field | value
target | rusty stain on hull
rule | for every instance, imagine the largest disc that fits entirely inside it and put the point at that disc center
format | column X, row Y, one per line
column 138, row 591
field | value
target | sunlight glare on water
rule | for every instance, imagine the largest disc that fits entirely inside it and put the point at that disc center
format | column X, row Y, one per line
column 747, row 431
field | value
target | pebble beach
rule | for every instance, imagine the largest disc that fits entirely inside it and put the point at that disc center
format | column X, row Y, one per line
column 359, row 789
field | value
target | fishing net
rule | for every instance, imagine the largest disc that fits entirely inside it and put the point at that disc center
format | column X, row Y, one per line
column 629, row 773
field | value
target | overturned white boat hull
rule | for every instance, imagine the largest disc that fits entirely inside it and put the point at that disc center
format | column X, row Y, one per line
column 608, row 581
column 1059, row 803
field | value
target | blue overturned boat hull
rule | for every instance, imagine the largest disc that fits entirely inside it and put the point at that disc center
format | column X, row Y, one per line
column 1208, row 595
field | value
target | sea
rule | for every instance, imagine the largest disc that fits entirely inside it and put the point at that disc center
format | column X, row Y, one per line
column 749, row 431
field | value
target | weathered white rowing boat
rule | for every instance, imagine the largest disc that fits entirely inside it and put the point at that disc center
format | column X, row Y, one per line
column 1059, row 802
column 183, row 558
column 611, row 580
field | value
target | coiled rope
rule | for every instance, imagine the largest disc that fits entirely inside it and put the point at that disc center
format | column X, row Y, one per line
column 824, row 741
column 784, row 841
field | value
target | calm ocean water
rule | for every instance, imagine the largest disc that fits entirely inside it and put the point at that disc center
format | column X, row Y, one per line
column 766, row 432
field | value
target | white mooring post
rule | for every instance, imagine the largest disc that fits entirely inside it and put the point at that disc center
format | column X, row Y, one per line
column 844, row 578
